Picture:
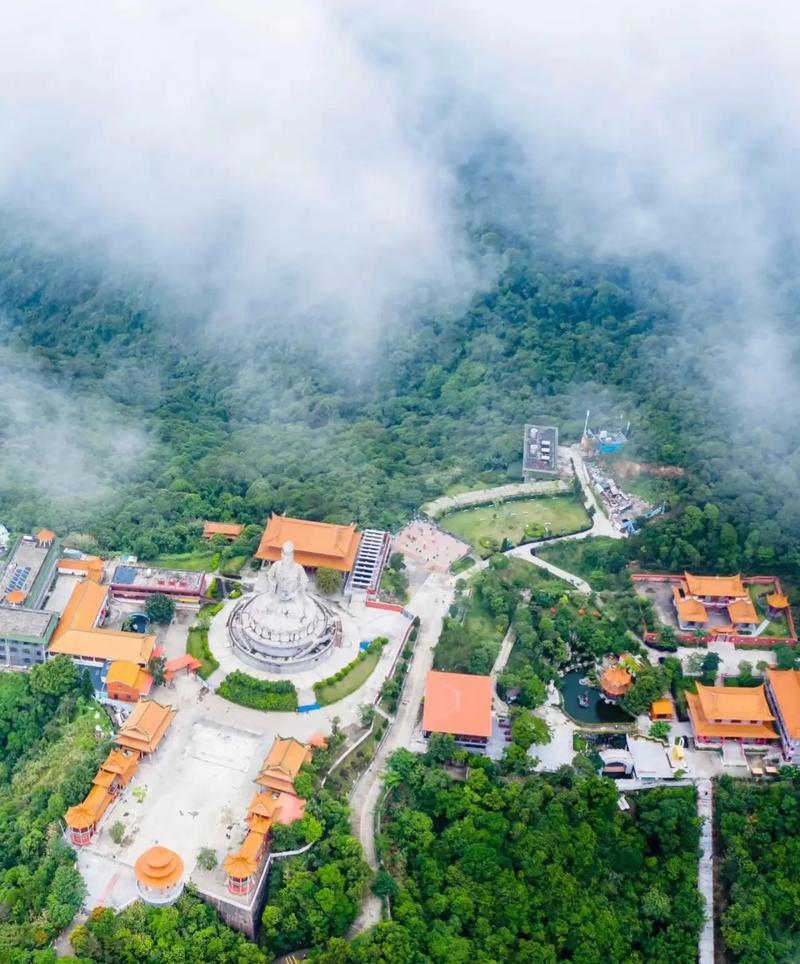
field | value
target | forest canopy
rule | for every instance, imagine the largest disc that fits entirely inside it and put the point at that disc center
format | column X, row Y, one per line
column 226, row 429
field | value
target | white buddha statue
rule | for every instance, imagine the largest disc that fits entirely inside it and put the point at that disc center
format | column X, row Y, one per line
column 286, row 579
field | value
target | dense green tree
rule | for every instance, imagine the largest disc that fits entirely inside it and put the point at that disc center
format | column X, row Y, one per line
column 327, row 580
column 160, row 608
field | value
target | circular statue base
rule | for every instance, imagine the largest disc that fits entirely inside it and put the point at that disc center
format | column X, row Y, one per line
column 285, row 629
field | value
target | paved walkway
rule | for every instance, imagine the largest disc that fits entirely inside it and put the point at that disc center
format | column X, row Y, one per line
column 481, row 496
column 524, row 553
column 601, row 525
column 430, row 604
column 706, row 869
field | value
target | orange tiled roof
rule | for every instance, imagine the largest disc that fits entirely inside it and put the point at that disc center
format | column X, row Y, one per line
column 77, row 634
column 92, row 566
column 715, row 585
column 660, row 708
column 240, row 868
column 785, row 687
column 229, row 529
column 689, row 610
column 158, row 868
column 145, row 727
column 458, row 703
column 283, row 763
column 315, row 543
column 710, row 727
column 616, row 680
column 79, row 817
column 778, row 600
column 742, row 611
column 734, row 702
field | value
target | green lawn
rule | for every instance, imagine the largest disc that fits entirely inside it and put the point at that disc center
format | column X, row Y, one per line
column 197, row 646
column 461, row 565
column 507, row 520
column 201, row 560
column 233, row 566
column 357, row 676
column 777, row 628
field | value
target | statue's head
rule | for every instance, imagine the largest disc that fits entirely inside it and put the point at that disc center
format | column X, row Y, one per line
column 288, row 551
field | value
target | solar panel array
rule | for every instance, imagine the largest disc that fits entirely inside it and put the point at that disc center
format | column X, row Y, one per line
column 18, row 580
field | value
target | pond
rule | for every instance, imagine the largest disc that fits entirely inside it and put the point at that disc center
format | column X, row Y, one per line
column 598, row 711
column 139, row 622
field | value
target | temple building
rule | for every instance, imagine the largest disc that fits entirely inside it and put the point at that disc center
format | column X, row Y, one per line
column 89, row 567
column 615, row 683
column 777, row 604
column 284, row 760
column 274, row 802
column 231, row 530
column 783, row 694
column 315, row 543
column 459, row 704
column 115, row 773
column 127, row 681
column 716, row 604
column 287, row 628
column 81, row 637
column 159, row 876
column 145, row 727
column 731, row 714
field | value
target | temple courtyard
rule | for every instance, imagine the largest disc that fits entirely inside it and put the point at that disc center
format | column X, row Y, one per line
column 193, row 792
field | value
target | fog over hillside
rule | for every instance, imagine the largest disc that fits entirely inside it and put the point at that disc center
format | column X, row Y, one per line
column 288, row 166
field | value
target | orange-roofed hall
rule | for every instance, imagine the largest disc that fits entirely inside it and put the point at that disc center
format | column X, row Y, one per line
column 80, row 634
column 127, row 681
column 231, row 530
column 715, row 588
column 459, row 704
column 723, row 714
column 315, row 543
column 145, row 727
column 284, row 760
column 783, row 694
column 90, row 567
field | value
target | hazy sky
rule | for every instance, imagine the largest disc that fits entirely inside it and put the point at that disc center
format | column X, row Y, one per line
column 298, row 161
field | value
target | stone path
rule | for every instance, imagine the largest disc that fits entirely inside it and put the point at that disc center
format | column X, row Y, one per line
column 463, row 500
column 705, row 811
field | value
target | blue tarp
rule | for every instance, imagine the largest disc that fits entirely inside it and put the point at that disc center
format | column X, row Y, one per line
column 308, row 707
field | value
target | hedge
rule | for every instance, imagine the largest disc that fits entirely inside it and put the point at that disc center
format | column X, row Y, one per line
column 259, row 694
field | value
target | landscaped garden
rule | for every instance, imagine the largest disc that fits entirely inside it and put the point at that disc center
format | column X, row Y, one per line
column 516, row 520
column 259, row 694
column 348, row 679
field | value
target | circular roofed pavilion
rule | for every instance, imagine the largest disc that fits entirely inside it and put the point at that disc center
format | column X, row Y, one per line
column 159, row 876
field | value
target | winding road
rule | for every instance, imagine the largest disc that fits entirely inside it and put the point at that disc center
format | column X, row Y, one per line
column 431, row 604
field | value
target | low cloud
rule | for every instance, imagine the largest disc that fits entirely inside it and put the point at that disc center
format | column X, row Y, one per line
column 300, row 166
column 56, row 444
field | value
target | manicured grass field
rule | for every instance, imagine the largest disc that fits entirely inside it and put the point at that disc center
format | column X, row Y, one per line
column 508, row 520
column 202, row 560
column 357, row 676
